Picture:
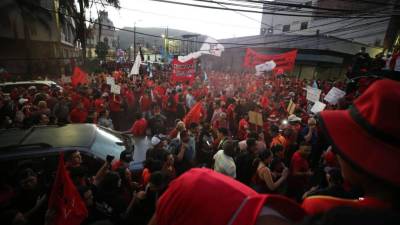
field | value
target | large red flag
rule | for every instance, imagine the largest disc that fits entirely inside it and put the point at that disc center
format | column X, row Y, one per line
column 79, row 76
column 284, row 61
column 65, row 199
column 194, row 115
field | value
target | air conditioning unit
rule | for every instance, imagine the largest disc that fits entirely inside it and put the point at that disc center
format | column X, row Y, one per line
column 263, row 31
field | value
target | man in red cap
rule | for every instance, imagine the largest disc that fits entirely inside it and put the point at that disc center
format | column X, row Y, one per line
column 366, row 140
column 202, row 196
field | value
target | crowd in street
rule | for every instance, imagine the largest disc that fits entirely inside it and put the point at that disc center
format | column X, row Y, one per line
column 204, row 123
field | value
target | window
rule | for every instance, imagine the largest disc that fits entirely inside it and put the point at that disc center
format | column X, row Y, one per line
column 286, row 28
column 304, row 25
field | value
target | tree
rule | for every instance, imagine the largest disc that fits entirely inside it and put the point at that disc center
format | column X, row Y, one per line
column 101, row 50
column 81, row 23
column 32, row 14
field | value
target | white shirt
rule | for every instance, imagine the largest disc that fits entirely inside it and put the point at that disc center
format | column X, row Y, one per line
column 224, row 164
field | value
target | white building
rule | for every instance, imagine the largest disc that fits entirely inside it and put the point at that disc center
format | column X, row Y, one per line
column 368, row 31
column 102, row 30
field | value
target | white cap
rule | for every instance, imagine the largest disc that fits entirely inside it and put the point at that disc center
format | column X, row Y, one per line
column 105, row 94
column 294, row 118
column 22, row 100
column 155, row 140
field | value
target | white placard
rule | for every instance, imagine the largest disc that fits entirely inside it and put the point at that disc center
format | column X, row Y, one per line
column 334, row 95
column 313, row 94
column 318, row 107
column 110, row 81
column 65, row 79
column 116, row 89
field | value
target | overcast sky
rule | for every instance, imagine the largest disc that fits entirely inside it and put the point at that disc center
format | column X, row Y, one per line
column 215, row 23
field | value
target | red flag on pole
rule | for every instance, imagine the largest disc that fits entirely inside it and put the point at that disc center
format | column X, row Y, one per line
column 65, row 199
column 194, row 115
column 79, row 76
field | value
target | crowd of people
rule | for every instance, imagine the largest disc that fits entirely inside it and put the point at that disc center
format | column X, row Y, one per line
column 204, row 123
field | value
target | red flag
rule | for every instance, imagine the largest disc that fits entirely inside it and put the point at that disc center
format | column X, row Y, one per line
column 79, row 76
column 284, row 61
column 194, row 115
column 65, row 199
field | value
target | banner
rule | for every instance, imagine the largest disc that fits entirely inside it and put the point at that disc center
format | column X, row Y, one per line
column 284, row 61
column 182, row 72
column 212, row 47
column 65, row 199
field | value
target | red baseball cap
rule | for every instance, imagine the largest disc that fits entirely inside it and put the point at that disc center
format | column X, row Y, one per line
column 205, row 197
column 367, row 135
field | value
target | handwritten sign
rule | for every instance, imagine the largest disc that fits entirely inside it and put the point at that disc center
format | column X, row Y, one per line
column 334, row 95
column 116, row 89
column 318, row 107
column 313, row 94
column 256, row 118
column 110, row 81
column 291, row 107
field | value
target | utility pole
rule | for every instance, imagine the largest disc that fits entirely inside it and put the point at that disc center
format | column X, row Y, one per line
column 134, row 41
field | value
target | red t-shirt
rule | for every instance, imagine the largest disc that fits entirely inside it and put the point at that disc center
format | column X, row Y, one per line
column 242, row 133
column 298, row 164
column 115, row 104
column 139, row 127
column 78, row 116
column 145, row 103
column 99, row 104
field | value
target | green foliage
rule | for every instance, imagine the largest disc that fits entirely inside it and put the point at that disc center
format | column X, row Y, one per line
column 101, row 50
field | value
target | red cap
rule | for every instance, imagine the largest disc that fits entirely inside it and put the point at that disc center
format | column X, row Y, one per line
column 205, row 197
column 368, row 134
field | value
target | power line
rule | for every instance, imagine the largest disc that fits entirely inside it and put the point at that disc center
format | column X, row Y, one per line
column 270, row 13
column 176, row 17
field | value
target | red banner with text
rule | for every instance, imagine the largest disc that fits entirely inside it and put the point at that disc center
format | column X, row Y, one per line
column 284, row 61
column 182, row 72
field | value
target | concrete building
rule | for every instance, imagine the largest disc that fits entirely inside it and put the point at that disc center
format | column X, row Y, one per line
column 102, row 30
column 38, row 42
column 379, row 31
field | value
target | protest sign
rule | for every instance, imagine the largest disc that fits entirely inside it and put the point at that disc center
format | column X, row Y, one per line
column 256, row 118
column 334, row 95
column 65, row 79
column 313, row 94
column 116, row 89
column 110, row 80
column 291, row 107
column 182, row 72
column 318, row 107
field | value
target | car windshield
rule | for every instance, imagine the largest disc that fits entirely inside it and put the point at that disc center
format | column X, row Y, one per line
column 108, row 143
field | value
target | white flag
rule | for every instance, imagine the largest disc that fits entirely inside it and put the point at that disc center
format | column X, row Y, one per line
column 212, row 47
column 265, row 67
column 136, row 65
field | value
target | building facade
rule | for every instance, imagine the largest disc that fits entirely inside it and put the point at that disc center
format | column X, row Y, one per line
column 102, row 30
column 379, row 31
column 36, row 41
